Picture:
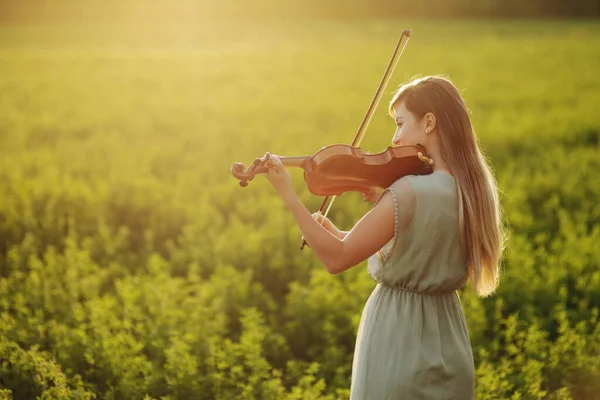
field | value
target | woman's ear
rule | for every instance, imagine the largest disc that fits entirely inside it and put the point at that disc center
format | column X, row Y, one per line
column 429, row 122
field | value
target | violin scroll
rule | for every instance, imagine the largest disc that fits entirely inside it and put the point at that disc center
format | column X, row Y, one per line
column 244, row 174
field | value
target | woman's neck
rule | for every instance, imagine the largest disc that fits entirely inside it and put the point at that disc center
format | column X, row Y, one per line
column 433, row 150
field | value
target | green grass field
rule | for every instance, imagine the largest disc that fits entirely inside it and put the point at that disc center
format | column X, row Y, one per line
column 132, row 265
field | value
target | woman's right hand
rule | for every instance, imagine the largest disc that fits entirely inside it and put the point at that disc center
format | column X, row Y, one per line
column 327, row 224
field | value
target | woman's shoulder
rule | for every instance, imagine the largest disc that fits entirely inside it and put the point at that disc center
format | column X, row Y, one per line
column 435, row 176
column 408, row 188
column 403, row 187
column 436, row 181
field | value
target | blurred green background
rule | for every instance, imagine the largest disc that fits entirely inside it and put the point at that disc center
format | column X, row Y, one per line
column 133, row 265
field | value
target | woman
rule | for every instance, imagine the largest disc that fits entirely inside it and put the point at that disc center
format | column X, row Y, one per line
column 424, row 238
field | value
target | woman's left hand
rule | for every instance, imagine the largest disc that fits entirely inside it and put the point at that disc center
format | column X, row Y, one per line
column 279, row 176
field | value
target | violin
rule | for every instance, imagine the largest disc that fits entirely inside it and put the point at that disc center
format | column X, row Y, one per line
column 340, row 168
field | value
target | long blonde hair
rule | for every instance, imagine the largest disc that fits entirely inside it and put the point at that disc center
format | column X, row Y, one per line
column 482, row 233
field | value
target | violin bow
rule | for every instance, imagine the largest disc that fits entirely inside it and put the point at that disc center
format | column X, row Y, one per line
column 372, row 107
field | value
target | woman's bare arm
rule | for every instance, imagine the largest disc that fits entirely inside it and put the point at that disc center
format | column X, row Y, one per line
column 339, row 252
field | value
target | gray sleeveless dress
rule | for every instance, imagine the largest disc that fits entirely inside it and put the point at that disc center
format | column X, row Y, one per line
column 412, row 341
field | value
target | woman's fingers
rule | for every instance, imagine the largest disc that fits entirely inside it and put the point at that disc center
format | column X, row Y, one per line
column 274, row 162
column 277, row 164
column 319, row 217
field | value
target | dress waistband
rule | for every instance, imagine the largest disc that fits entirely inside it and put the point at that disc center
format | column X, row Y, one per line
column 417, row 291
